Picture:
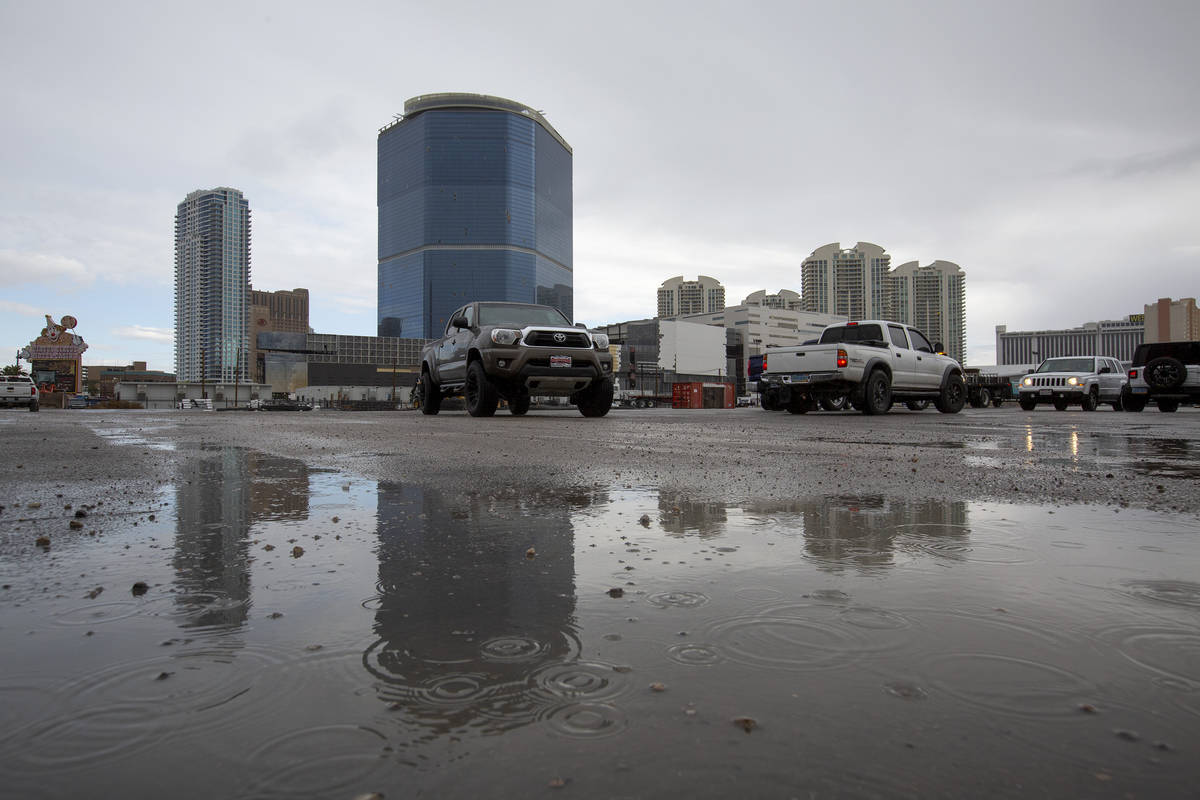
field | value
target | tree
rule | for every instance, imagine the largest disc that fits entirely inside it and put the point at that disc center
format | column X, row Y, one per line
column 14, row 369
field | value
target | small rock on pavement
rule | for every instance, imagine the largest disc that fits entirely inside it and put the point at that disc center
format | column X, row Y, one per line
column 530, row 553
column 616, row 592
column 139, row 589
column 745, row 723
column 644, row 520
column 297, row 551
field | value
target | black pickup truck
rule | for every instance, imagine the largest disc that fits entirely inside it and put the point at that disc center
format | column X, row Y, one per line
column 515, row 351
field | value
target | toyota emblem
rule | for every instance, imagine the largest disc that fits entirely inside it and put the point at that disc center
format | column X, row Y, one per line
column 560, row 337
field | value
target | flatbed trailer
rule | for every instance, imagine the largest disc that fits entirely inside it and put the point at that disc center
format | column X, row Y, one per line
column 986, row 389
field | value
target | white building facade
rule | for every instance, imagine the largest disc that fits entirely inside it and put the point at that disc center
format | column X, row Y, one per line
column 932, row 299
column 677, row 297
column 1114, row 338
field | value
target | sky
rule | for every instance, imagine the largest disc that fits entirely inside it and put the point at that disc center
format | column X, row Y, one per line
column 1050, row 149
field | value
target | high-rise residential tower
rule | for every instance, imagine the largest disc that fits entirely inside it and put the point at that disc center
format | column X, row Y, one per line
column 702, row 296
column 474, row 198
column 846, row 282
column 933, row 300
column 212, row 286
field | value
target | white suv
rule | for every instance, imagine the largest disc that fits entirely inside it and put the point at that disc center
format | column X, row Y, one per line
column 1167, row 373
column 1086, row 381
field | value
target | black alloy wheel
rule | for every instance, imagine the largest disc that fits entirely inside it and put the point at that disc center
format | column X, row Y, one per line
column 877, row 393
column 431, row 395
column 1165, row 373
column 953, row 396
column 481, row 395
column 596, row 399
column 1090, row 401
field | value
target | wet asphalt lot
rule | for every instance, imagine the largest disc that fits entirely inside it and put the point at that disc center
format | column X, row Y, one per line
column 657, row 603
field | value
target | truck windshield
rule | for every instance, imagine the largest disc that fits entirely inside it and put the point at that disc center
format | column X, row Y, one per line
column 852, row 333
column 1067, row 365
column 519, row 315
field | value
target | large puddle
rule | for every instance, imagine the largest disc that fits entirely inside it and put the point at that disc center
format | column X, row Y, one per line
column 309, row 634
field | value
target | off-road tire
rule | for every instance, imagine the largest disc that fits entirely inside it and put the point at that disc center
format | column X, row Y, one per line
column 1133, row 403
column 519, row 405
column 877, row 394
column 1168, row 405
column 481, row 396
column 769, row 401
column 953, row 396
column 1165, row 373
column 917, row 405
column 1090, row 401
column 431, row 395
column 1061, row 403
column 596, row 399
column 1027, row 403
column 34, row 406
column 836, row 403
column 801, row 405
column 1119, row 403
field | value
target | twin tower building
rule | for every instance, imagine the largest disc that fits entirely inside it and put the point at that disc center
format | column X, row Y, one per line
column 474, row 199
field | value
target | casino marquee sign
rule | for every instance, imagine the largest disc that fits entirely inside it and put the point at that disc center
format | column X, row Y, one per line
column 55, row 342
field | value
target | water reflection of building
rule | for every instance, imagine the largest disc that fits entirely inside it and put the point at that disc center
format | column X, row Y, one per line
column 679, row 515
column 219, row 496
column 864, row 532
column 466, row 618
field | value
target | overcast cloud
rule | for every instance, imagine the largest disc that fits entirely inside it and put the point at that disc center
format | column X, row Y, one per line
column 1052, row 150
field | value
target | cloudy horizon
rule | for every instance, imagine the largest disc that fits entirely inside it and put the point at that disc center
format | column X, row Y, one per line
column 1049, row 150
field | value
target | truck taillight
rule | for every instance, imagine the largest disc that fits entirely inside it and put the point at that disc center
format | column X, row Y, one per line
column 1133, row 373
column 843, row 359
column 764, row 364
column 32, row 391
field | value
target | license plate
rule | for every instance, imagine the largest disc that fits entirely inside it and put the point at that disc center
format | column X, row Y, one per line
column 799, row 379
column 1140, row 390
column 560, row 361
column 1045, row 392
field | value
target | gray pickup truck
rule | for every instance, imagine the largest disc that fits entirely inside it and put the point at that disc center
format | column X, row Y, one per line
column 515, row 351
column 18, row 390
column 871, row 362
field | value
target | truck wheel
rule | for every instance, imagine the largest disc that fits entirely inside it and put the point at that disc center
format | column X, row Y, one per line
column 1168, row 405
column 877, row 393
column 596, row 399
column 33, row 406
column 1090, row 401
column 431, row 395
column 953, row 396
column 1027, row 403
column 801, row 405
column 1133, row 403
column 482, row 397
column 835, row 403
column 1060, row 404
column 519, row 405
column 917, row 405
column 985, row 397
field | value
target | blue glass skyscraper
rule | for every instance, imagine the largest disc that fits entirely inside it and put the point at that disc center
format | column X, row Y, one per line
column 474, row 196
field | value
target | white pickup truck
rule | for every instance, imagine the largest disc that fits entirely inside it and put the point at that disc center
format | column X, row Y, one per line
column 18, row 390
column 871, row 362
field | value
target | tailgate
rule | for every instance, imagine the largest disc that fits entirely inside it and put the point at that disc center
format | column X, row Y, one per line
column 814, row 358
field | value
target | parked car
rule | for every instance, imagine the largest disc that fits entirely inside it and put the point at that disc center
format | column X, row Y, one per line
column 19, row 390
column 1085, row 381
column 1166, row 372
column 494, row 350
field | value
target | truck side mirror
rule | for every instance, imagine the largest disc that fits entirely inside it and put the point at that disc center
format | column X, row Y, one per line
column 460, row 322
column 938, row 347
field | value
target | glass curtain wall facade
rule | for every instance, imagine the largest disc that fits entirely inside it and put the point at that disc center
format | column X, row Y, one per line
column 475, row 203
column 212, row 286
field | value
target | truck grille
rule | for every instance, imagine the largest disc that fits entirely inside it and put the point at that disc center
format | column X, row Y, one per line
column 1049, row 381
column 546, row 339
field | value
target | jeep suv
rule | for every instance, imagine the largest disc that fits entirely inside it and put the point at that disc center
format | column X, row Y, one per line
column 1167, row 373
column 494, row 350
column 1086, row 381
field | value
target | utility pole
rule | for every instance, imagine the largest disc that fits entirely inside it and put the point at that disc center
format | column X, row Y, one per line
column 395, row 361
column 237, row 374
column 203, row 376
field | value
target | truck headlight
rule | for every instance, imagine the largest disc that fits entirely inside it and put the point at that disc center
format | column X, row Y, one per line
column 600, row 340
column 1027, row 382
column 1073, row 381
column 505, row 336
